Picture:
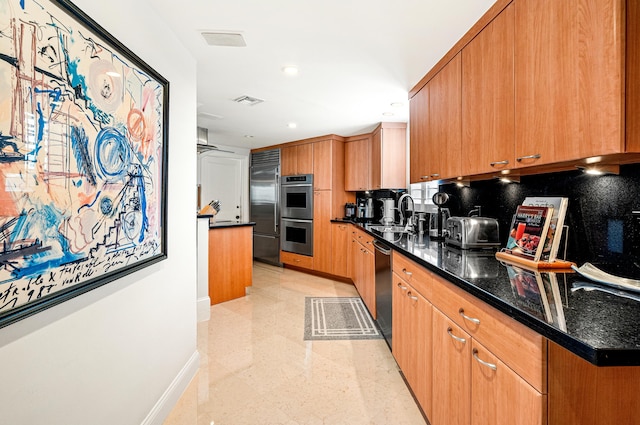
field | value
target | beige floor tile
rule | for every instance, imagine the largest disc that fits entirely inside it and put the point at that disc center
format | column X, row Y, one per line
column 256, row 367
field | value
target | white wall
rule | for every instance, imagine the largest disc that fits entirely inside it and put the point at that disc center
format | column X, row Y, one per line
column 120, row 354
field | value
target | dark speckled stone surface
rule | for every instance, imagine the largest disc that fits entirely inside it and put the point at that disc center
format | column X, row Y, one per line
column 599, row 327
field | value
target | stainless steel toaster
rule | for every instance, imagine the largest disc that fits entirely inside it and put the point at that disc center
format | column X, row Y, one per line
column 472, row 232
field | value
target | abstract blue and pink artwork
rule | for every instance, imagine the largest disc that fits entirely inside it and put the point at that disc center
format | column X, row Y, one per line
column 83, row 151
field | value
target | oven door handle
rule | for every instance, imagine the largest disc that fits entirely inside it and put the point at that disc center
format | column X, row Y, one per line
column 295, row 220
column 296, row 185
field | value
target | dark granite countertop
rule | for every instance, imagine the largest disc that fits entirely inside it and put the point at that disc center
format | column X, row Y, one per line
column 598, row 326
column 229, row 223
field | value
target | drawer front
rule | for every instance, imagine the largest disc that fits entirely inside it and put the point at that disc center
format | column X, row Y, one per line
column 297, row 260
column 520, row 348
column 364, row 238
column 413, row 274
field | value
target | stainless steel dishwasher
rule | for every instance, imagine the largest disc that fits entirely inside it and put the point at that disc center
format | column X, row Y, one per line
column 383, row 289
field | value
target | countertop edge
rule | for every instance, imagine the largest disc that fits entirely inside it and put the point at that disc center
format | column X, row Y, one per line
column 600, row 357
column 223, row 224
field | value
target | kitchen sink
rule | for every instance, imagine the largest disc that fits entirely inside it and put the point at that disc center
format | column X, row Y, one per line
column 390, row 228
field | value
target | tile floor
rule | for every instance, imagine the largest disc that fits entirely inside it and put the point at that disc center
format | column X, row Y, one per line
column 257, row 369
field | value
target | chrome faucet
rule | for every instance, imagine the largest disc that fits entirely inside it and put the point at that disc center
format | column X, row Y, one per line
column 408, row 226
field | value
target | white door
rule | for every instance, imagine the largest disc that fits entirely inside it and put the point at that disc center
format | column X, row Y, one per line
column 221, row 178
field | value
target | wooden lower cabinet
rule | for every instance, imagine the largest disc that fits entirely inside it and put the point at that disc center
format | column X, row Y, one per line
column 364, row 274
column 411, row 339
column 230, row 262
column 297, row 260
column 499, row 395
column 341, row 249
column 451, row 373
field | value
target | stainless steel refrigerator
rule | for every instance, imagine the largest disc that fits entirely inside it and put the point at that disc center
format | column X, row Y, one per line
column 265, row 210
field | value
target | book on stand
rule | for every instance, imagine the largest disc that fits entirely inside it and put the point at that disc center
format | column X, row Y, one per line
column 528, row 231
column 554, row 234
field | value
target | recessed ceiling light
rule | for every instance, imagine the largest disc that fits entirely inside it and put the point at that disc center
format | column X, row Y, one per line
column 290, row 70
column 388, row 114
column 397, row 105
column 248, row 136
column 292, row 125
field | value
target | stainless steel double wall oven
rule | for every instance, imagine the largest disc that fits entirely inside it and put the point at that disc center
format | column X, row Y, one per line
column 296, row 206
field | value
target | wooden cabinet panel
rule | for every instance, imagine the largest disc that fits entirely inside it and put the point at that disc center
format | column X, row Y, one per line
column 288, row 160
column 357, row 155
column 451, row 403
column 488, row 98
column 341, row 253
column 322, row 165
column 499, row 395
column 413, row 274
column 569, row 64
column 389, row 156
column 322, row 231
column 419, row 145
column 297, row 260
column 297, row 159
column 445, row 114
column 363, row 268
column 504, row 336
column 230, row 262
column 412, row 341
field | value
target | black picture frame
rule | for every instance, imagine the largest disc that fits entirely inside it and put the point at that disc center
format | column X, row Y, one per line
column 83, row 158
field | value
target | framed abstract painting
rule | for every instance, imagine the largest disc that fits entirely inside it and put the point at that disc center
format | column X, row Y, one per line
column 83, row 157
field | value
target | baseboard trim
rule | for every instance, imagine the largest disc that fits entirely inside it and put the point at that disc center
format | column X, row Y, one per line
column 204, row 309
column 170, row 397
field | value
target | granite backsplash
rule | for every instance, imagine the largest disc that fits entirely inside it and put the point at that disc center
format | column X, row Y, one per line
column 603, row 228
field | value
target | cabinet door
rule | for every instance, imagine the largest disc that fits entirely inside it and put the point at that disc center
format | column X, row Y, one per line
column 322, row 165
column 369, row 281
column 419, row 159
column 569, row 67
column 499, row 395
column 488, row 98
column 399, row 322
column 289, row 160
column 445, row 114
column 451, row 372
column 341, row 252
column 357, row 155
column 322, row 231
column 418, row 343
column 376, row 159
column 305, row 159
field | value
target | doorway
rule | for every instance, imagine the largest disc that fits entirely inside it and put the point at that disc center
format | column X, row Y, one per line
column 224, row 177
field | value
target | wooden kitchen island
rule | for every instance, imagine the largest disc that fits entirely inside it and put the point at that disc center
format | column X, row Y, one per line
column 230, row 260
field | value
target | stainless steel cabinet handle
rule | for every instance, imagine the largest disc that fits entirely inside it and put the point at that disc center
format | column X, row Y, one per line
column 435, row 175
column 407, row 272
column 536, row 156
column 471, row 319
column 401, row 286
column 424, row 177
column 457, row 338
column 482, row 362
column 411, row 296
column 493, row 164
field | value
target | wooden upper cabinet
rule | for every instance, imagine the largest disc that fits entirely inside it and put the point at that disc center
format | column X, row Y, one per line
column 322, row 165
column 357, row 157
column 569, row 79
column 445, row 113
column 389, row 156
column 488, row 98
column 418, row 146
column 296, row 159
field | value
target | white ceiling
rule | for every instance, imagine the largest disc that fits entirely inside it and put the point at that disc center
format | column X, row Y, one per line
column 355, row 58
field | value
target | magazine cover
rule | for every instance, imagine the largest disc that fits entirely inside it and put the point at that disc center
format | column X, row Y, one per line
column 529, row 227
column 554, row 234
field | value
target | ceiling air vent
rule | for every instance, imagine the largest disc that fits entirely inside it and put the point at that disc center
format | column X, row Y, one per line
column 229, row 39
column 248, row 100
